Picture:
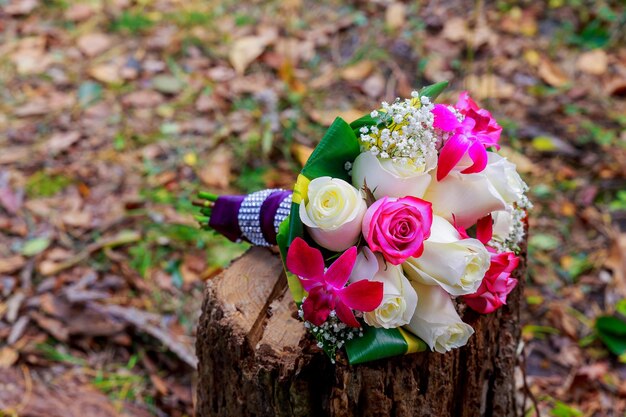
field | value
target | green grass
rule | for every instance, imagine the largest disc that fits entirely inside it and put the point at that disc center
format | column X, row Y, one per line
column 41, row 184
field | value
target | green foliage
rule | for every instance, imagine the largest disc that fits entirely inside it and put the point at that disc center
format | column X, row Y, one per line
column 41, row 184
column 251, row 179
column 538, row 332
column 35, row 246
column 191, row 18
column 612, row 332
column 597, row 134
column 52, row 353
column 338, row 146
column 561, row 409
column 619, row 203
column 131, row 22
column 543, row 241
column 593, row 35
column 89, row 93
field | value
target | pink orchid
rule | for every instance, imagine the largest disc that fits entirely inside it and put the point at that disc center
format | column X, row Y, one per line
column 472, row 136
column 327, row 289
column 496, row 286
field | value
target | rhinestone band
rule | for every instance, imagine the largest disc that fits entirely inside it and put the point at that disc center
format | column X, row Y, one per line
column 283, row 211
column 249, row 216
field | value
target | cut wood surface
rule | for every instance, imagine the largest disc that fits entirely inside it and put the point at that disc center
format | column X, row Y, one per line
column 255, row 359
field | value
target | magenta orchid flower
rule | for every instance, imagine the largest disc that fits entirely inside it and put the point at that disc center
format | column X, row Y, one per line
column 472, row 136
column 484, row 230
column 327, row 288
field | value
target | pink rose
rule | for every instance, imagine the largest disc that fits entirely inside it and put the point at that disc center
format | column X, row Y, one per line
column 496, row 285
column 397, row 227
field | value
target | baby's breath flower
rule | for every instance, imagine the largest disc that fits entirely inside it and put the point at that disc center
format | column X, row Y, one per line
column 511, row 242
column 404, row 131
column 332, row 334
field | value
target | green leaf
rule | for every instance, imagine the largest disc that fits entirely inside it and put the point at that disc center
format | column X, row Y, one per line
column 433, row 91
column 286, row 233
column 620, row 307
column 544, row 144
column 366, row 120
column 612, row 331
column 378, row 343
column 89, row 93
column 563, row 410
column 543, row 241
column 167, row 84
column 35, row 246
column 338, row 146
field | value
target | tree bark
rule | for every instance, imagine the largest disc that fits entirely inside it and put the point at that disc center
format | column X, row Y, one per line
column 255, row 359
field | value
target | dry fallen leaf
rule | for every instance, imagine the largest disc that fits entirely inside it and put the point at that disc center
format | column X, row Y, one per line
column 616, row 87
column 77, row 219
column 327, row 117
column 301, row 153
column 216, row 171
column 374, row 86
column 552, row 74
column 593, row 62
column 358, row 71
column 11, row 264
column 107, row 73
column 93, row 44
column 30, row 56
column 8, row 357
column 455, row 29
column 21, row 7
column 79, row 11
column 395, row 15
column 488, row 86
column 143, row 99
column 245, row 50
column 59, row 142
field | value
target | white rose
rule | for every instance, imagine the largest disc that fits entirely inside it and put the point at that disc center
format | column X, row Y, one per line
column 399, row 297
column 333, row 213
column 436, row 321
column 457, row 265
column 471, row 196
column 502, row 224
column 391, row 178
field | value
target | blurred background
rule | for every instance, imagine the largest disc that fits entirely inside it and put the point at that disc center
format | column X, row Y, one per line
column 114, row 113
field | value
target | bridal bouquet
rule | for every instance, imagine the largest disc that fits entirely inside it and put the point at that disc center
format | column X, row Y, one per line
column 395, row 219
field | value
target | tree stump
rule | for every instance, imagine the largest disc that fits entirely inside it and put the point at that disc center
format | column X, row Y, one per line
column 255, row 358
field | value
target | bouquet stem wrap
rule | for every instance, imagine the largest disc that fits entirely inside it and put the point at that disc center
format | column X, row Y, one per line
column 254, row 218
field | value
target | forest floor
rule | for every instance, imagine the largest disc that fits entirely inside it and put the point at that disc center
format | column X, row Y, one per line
column 113, row 114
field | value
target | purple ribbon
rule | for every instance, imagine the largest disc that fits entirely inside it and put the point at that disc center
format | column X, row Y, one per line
column 224, row 216
column 268, row 213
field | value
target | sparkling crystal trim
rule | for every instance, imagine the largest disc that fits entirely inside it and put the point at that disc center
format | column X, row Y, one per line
column 284, row 208
column 249, row 216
